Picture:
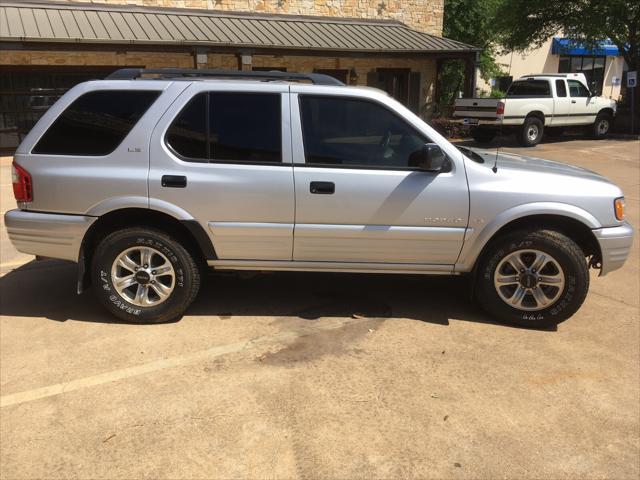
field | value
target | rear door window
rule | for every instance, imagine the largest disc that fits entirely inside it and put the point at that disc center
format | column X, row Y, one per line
column 529, row 88
column 95, row 123
column 229, row 127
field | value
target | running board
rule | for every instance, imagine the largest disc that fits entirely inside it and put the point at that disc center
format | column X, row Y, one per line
column 280, row 265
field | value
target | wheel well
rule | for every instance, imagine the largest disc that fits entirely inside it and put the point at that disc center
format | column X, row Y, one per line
column 189, row 233
column 607, row 111
column 572, row 228
column 537, row 114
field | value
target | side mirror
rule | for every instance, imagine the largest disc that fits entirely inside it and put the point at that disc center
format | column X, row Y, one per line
column 429, row 158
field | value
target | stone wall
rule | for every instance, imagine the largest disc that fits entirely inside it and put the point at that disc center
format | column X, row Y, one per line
column 361, row 66
column 293, row 63
column 423, row 15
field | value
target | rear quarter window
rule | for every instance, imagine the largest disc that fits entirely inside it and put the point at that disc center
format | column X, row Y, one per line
column 95, row 123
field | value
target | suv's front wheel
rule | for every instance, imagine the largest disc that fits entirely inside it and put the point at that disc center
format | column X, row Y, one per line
column 144, row 276
column 534, row 279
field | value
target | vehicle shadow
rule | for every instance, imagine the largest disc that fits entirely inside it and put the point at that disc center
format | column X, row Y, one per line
column 47, row 289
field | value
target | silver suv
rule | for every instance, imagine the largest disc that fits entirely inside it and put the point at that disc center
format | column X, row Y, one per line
column 146, row 181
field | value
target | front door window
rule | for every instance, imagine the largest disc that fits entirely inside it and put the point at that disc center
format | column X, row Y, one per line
column 349, row 132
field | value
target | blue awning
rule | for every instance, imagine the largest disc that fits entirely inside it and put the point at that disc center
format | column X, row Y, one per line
column 565, row 46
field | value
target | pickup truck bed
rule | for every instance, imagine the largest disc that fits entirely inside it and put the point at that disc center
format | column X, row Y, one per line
column 535, row 103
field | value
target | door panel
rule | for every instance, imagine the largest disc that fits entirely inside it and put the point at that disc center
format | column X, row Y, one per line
column 562, row 104
column 380, row 216
column 380, row 207
column 246, row 206
column 583, row 107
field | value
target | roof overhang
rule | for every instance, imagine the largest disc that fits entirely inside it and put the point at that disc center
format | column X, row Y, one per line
column 84, row 23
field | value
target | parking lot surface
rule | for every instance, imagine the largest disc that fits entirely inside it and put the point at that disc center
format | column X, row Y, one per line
column 294, row 375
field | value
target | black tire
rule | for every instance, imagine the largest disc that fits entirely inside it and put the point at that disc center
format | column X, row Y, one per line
column 601, row 127
column 185, row 282
column 483, row 135
column 562, row 250
column 531, row 132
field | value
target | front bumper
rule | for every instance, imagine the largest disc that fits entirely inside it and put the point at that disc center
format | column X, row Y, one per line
column 47, row 234
column 615, row 245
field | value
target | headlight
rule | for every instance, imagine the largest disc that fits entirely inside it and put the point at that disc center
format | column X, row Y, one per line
column 618, row 207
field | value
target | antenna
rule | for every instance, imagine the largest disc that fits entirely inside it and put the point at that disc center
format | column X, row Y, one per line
column 501, row 105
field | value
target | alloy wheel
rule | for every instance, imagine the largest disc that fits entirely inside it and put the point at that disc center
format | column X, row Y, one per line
column 529, row 280
column 143, row 276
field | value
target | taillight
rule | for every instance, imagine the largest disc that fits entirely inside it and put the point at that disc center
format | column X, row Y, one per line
column 500, row 109
column 22, row 186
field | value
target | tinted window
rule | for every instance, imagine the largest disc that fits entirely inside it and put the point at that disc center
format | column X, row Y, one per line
column 577, row 89
column 187, row 135
column 349, row 132
column 241, row 127
column 245, row 127
column 561, row 88
column 95, row 123
column 529, row 88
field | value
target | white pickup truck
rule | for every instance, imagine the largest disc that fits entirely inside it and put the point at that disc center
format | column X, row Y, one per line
column 535, row 104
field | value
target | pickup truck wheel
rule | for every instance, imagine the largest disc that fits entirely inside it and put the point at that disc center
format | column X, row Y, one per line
column 483, row 135
column 534, row 279
column 602, row 125
column 531, row 132
column 142, row 275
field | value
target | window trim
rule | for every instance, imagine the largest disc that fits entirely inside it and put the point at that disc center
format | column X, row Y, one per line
column 207, row 161
column 446, row 168
column 88, row 92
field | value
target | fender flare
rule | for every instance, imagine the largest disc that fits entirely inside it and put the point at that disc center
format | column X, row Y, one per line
column 476, row 238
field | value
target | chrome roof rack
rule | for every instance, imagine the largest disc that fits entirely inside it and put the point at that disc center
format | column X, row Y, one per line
column 190, row 73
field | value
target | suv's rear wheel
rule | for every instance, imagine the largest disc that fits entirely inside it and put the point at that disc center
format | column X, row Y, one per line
column 535, row 279
column 531, row 132
column 144, row 276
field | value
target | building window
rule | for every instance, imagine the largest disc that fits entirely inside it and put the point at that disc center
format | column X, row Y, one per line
column 341, row 74
column 591, row 66
column 503, row 83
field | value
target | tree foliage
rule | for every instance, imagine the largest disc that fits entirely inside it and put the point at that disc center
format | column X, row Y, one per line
column 522, row 23
column 471, row 22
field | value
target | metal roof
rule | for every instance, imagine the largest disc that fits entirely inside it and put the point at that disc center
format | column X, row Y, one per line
column 107, row 24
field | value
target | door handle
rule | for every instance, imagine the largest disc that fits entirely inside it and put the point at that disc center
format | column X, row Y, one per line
column 174, row 181
column 573, row 101
column 322, row 188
